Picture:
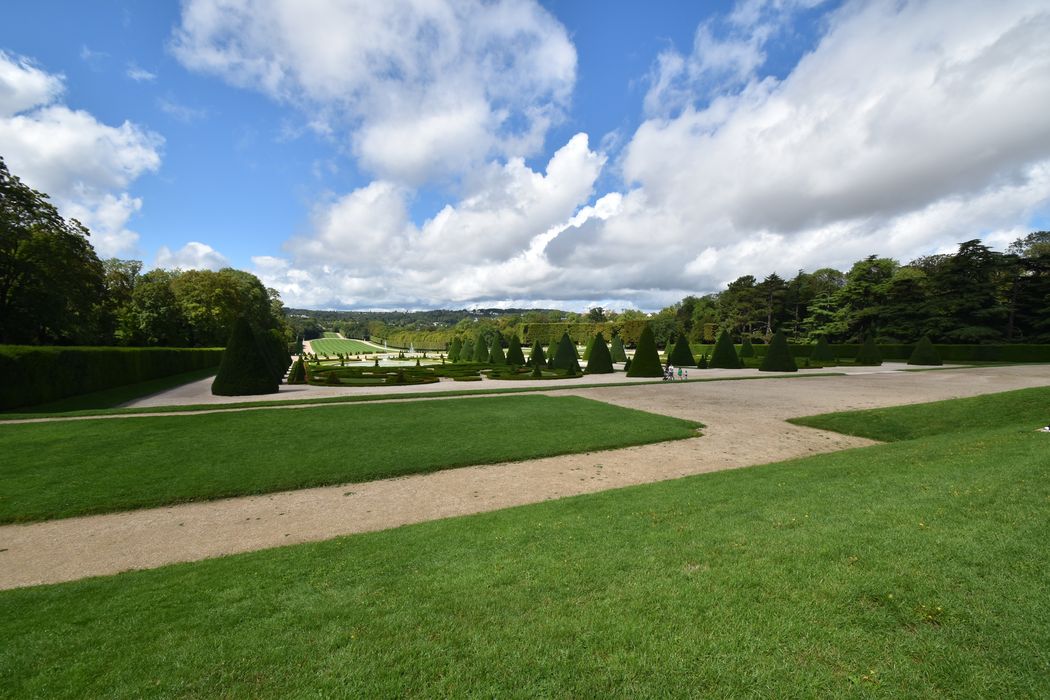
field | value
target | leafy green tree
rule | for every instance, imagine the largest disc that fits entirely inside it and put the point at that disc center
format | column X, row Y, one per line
column 965, row 304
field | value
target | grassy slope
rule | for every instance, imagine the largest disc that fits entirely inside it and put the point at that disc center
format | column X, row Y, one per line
column 905, row 570
column 77, row 467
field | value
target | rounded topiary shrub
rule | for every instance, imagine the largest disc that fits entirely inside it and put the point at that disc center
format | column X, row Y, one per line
column 869, row 354
column 616, row 349
column 924, row 353
column 778, row 356
column 245, row 369
column 514, row 354
column 680, row 354
column 600, row 361
column 724, row 354
column 646, row 361
column 536, row 357
column 565, row 356
column 822, row 351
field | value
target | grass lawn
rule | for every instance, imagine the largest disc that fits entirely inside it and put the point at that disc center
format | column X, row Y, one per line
column 332, row 346
column 76, row 467
column 914, row 569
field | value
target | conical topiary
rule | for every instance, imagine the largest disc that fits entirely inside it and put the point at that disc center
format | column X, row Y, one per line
column 746, row 348
column 565, row 356
column 455, row 349
column 537, row 372
column 822, row 351
column 724, row 354
column 924, row 353
column 244, row 369
column 297, row 375
column 481, row 349
column 869, row 354
column 601, row 360
column 778, row 356
column 466, row 353
column 646, row 361
column 681, row 355
column 496, row 355
column 617, row 351
column 514, row 354
column 536, row 357
column 587, row 349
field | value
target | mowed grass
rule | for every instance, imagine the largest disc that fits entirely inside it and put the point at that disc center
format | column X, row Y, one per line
column 60, row 469
column 915, row 569
column 332, row 346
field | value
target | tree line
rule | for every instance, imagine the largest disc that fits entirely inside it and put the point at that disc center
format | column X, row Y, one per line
column 54, row 289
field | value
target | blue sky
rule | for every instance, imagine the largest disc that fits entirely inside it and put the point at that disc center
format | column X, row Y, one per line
column 452, row 153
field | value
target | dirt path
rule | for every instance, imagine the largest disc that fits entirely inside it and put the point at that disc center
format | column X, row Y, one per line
column 745, row 426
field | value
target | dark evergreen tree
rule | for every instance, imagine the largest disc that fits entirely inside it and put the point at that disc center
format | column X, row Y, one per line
column 565, row 356
column 617, row 351
column 724, row 354
column 496, row 355
column 536, row 357
column 587, row 349
column 646, row 361
column 514, row 353
column 746, row 349
column 537, row 371
column 600, row 361
column 455, row 349
column 822, row 351
column 244, row 369
column 869, row 354
column 924, row 353
column 297, row 375
column 778, row 355
column 466, row 353
column 481, row 349
column 680, row 354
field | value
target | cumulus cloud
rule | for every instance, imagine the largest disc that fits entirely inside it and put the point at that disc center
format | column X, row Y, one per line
column 422, row 89
column 192, row 256
column 138, row 74
column 86, row 166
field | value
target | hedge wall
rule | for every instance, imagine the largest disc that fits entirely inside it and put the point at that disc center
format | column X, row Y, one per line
column 31, row 375
column 948, row 353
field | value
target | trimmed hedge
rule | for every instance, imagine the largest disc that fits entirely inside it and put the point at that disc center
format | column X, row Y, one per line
column 536, row 357
column 724, row 355
column 681, row 355
column 298, row 373
column 925, row 353
column 496, row 355
column 36, row 374
column 900, row 352
column 600, row 361
column 822, row 352
column 455, row 349
column 617, row 351
column 514, row 354
column 565, row 357
column 778, row 357
column 869, row 355
column 646, row 361
column 746, row 348
column 481, row 350
column 248, row 367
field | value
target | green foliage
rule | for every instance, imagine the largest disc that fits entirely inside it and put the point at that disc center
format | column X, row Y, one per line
column 627, row 366
column 869, row 354
column 297, row 375
column 455, row 349
column 587, row 348
column 600, row 359
column 244, row 370
column 467, row 353
column 32, row 375
column 822, row 351
column 617, row 351
column 565, row 355
column 925, row 353
column 514, row 354
column 536, row 357
column 537, row 370
column 481, row 349
column 724, row 355
column 746, row 348
column 496, row 355
column 646, row 361
column 681, row 355
column 778, row 357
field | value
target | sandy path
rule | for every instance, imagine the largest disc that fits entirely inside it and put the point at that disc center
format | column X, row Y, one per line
column 744, row 427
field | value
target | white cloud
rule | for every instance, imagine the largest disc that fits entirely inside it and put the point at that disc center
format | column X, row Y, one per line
column 84, row 165
column 192, row 256
column 424, row 89
column 139, row 75
column 180, row 112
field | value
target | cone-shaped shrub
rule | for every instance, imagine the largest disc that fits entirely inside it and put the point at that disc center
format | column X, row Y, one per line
column 496, row 355
column 617, row 351
column 244, row 370
column 466, row 353
column 680, row 354
column 536, row 357
column 333, row 379
column 481, row 350
column 778, row 356
column 587, row 349
column 601, row 360
column 298, row 373
column 746, row 349
column 724, row 354
column 565, row 355
column 536, row 371
column 702, row 362
column 924, row 353
column 514, row 354
column 455, row 349
column 646, row 360
column 869, row 354
column 822, row 352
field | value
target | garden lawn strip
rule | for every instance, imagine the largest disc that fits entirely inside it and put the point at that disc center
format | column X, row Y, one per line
column 913, row 569
column 68, row 468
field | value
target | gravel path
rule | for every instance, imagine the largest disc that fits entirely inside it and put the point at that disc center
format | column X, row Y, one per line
column 745, row 426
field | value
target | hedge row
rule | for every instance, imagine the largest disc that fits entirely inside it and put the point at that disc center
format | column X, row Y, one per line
column 948, row 353
column 31, row 375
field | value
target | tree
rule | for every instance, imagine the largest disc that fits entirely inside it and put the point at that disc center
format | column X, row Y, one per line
column 822, row 352
column 681, row 354
column 455, row 349
column 496, row 355
column 481, row 349
column 617, row 351
column 869, row 353
column 778, row 356
column 244, row 369
column 924, row 353
column 600, row 361
column 536, row 357
column 565, row 356
column 746, row 348
column 646, row 360
column 724, row 354
column 514, row 353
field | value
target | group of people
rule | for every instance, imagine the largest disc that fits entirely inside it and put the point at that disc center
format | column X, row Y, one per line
column 670, row 370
